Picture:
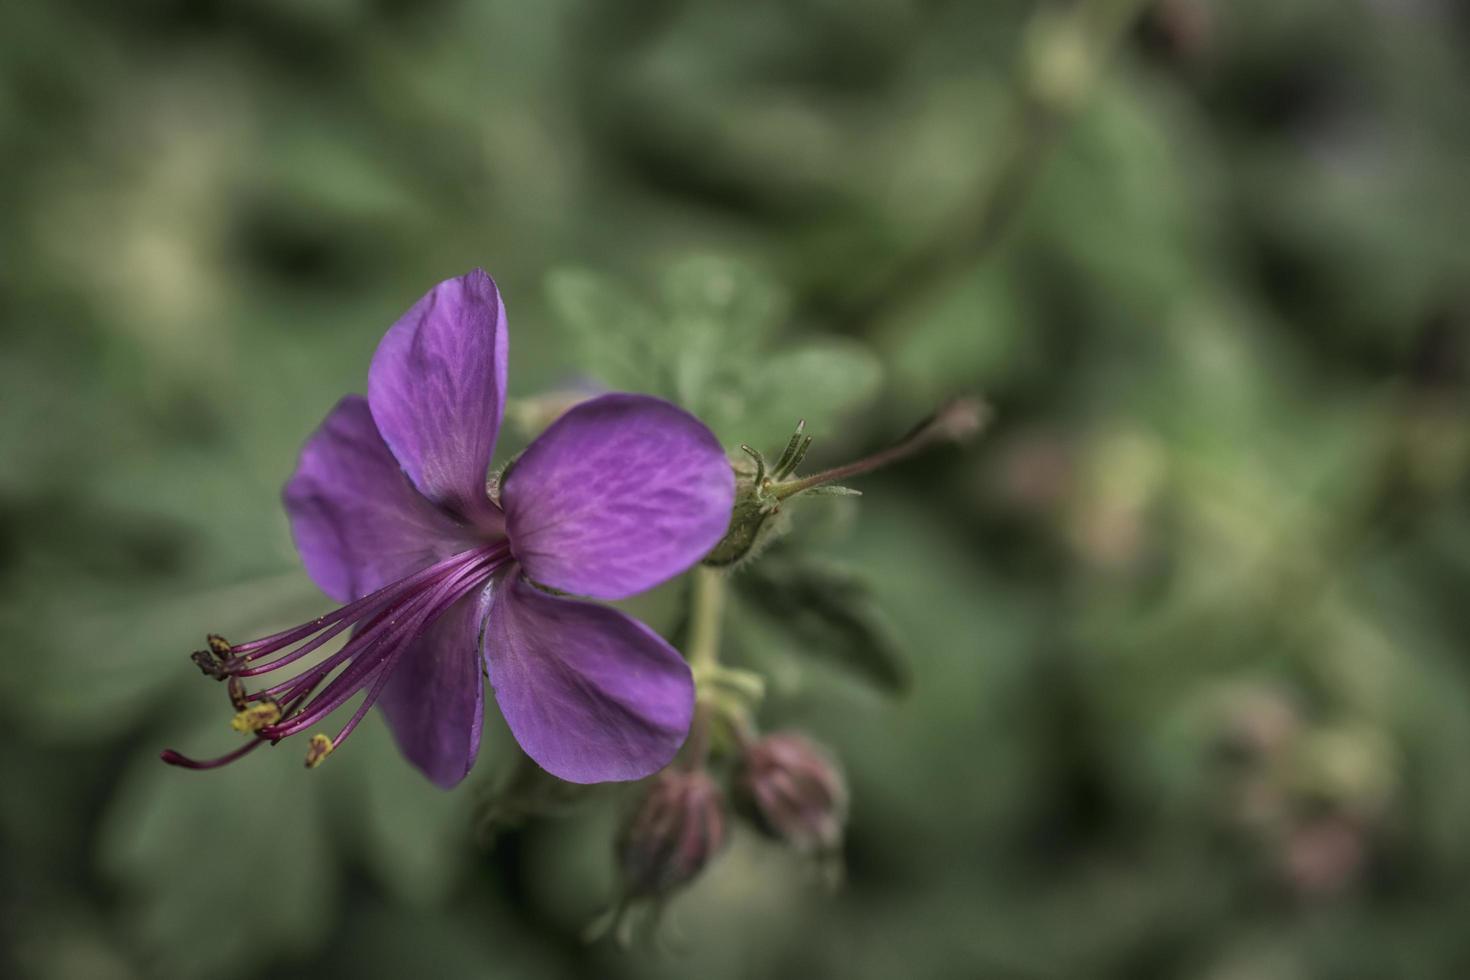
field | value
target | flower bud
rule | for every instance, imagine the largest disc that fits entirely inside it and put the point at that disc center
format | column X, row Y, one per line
column 673, row 834
column 794, row 792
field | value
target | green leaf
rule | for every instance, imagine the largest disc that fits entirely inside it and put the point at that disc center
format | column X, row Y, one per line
column 827, row 612
column 217, row 865
column 706, row 353
column 722, row 304
column 131, row 650
column 820, row 382
column 524, row 793
column 721, row 313
column 614, row 335
column 412, row 835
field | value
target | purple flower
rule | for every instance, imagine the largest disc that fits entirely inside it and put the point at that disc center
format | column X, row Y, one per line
column 389, row 510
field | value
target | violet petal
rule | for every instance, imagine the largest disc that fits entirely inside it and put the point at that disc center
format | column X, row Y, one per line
column 591, row 694
column 435, row 700
column 619, row 494
column 357, row 521
column 437, row 391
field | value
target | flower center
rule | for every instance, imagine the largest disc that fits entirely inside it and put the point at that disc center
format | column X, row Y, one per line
column 385, row 624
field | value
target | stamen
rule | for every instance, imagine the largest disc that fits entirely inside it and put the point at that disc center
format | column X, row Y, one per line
column 355, row 677
column 317, row 751
column 209, row 664
column 355, row 611
column 184, row 762
column 387, row 623
column 256, row 716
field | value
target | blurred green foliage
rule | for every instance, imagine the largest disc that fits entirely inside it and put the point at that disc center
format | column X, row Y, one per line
column 1187, row 633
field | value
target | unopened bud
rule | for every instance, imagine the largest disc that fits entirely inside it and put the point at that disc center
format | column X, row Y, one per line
column 793, row 791
column 673, row 834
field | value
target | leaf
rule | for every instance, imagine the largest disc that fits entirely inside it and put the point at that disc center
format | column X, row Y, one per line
column 721, row 313
column 220, row 870
column 722, row 304
column 526, row 792
column 828, row 612
column 616, row 337
column 130, row 651
column 412, row 835
column 821, row 382
column 467, row 939
column 706, row 353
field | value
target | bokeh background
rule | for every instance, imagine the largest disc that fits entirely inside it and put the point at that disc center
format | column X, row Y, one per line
column 1186, row 632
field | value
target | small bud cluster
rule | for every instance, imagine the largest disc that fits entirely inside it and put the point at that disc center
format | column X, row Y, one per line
column 785, row 785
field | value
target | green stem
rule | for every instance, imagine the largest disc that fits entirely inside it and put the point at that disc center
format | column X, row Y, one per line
column 706, row 616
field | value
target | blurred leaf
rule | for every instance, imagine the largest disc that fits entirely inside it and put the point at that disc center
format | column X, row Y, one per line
column 412, row 835
column 221, row 869
column 721, row 304
column 720, row 314
column 526, row 792
column 828, row 612
column 977, row 330
column 1113, row 200
column 717, row 313
column 614, row 336
column 458, row 942
column 820, row 382
column 707, row 352
column 108, row 659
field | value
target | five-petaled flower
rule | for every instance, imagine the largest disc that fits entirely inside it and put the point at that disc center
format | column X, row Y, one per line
column 391, row 515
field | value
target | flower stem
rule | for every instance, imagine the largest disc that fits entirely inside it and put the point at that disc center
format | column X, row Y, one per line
column 706, row 616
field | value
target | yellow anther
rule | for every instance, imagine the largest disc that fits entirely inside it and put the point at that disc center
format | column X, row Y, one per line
column 256, row 716
column 321, row 746
column 218, row 645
